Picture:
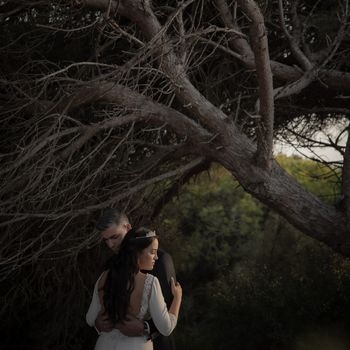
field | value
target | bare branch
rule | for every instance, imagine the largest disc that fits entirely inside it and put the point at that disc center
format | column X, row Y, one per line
column 294, row 41
column 90, row 131
column 175, row 188
column 112, row 199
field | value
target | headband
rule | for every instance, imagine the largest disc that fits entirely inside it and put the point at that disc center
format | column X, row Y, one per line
column 149, row 234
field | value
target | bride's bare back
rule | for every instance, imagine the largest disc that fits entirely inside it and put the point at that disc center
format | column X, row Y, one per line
column 135, row 297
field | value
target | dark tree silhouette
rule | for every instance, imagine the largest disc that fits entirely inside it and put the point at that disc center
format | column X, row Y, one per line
column 107, row 102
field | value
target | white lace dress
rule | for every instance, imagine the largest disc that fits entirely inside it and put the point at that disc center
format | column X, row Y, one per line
column 152, row 306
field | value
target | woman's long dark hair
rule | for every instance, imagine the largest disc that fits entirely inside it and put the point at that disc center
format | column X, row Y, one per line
column 120, row 281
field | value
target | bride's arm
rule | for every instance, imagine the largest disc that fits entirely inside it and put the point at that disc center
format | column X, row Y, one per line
column 164, row 320
column 164, row 269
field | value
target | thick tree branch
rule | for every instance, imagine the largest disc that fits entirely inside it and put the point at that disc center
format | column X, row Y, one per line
column 238, row 43
column 282, row 193
column 294, row 40
column 333, row 79
column 264, row 75
column 297, row 86
column 142, row 107
column 141, row 13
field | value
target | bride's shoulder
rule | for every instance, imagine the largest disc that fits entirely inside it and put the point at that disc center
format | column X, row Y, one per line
column 150, row 279
column 153, row 280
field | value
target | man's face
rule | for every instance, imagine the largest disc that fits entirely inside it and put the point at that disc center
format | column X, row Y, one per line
column 114, row 234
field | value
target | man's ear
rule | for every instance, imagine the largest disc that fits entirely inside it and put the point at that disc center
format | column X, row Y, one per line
column 128, row 226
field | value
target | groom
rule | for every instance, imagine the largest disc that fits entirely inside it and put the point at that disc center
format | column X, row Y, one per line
column 113, row 226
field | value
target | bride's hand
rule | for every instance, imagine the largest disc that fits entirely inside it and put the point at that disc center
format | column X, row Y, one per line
column 176, row 288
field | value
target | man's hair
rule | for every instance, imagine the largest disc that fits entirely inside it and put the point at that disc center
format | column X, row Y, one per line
column 110, row 216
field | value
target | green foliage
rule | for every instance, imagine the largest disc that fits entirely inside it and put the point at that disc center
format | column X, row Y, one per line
column 316, row 177
column 251, row 281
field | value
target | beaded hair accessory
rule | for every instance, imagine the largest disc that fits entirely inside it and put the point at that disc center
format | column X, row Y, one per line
column 149, row 234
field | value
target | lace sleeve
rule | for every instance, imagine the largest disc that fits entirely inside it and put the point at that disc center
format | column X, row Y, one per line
column 163, row 320
column 144, row 312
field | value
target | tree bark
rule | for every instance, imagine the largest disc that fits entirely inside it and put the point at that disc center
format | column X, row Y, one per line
column 231, row 148
column 285, row 195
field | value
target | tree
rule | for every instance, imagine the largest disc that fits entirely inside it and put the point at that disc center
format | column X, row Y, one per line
column 104, row 100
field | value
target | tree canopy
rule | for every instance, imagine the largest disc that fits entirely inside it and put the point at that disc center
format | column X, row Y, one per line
column 121, row 102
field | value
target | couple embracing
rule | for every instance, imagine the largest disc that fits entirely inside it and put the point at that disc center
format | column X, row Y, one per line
column 136, row 300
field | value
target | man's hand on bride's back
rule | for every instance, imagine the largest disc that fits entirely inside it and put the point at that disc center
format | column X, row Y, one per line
column 132, row 327
column 103, row 323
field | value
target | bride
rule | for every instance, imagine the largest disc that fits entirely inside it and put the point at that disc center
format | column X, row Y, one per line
column 125, row 292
